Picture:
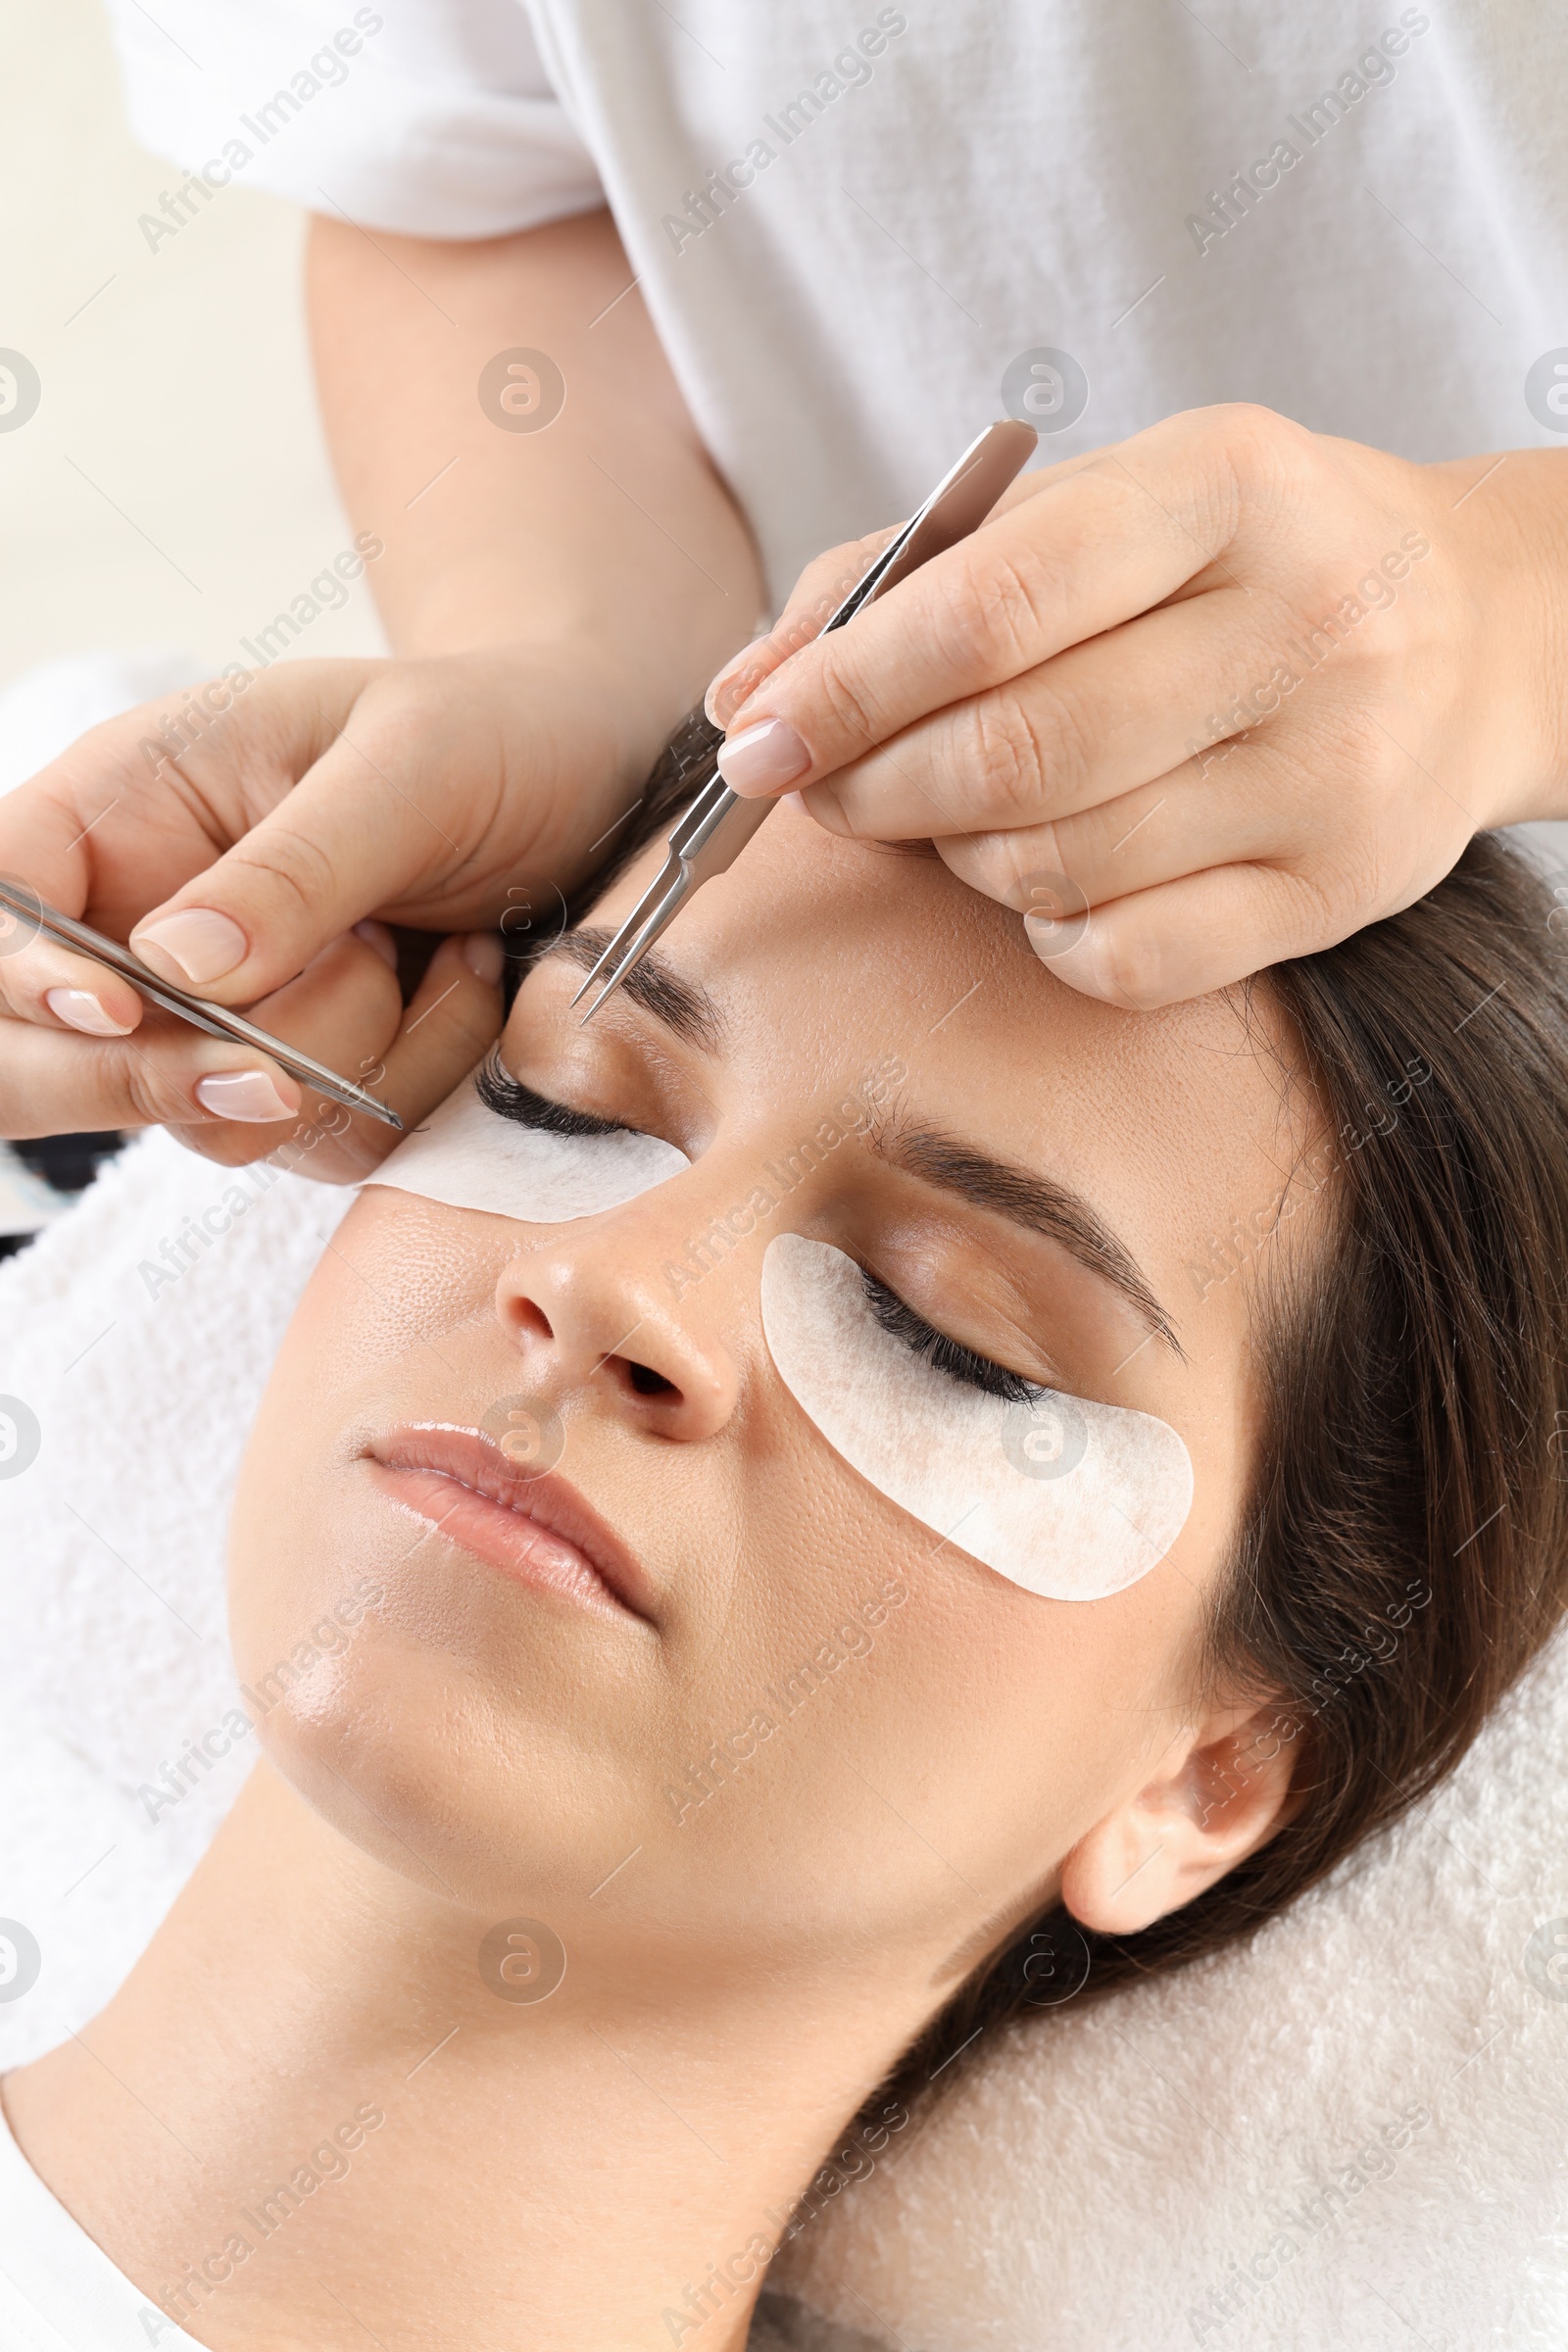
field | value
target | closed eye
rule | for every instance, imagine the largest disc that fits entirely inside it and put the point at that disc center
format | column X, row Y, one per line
column 509, row 1098
column 944, row 1354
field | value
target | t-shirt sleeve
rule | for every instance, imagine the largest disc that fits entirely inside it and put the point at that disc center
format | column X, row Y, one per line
column 428, row 118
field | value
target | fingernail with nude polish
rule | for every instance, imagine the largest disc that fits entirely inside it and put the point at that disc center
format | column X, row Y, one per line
column 761, row 758
column 200, row 943
column 734, row 682
column 79, row 1009
column 484, row 956
column 249, row 1094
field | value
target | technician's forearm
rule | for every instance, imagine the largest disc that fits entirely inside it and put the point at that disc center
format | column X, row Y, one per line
column 609, row 527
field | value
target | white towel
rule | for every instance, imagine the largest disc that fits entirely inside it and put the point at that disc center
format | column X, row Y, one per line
column 26, row 1202
column 115, row 1657
column 1091, row 2181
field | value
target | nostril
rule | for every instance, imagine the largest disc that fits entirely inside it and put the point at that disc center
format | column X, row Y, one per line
column 649, row 1383
column 531, row 1321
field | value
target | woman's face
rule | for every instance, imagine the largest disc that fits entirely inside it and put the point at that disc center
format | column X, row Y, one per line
column 702, row 1651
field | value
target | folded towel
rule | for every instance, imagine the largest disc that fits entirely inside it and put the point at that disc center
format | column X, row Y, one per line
column 133, row 1360
column 1348, row 2135
column 26, row 1201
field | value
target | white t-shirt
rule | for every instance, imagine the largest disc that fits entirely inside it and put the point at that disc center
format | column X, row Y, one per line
column 59, row 2290
column 855, row 223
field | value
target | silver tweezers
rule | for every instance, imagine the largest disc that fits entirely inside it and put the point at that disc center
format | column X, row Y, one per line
column 715, row 828
column 21, row 899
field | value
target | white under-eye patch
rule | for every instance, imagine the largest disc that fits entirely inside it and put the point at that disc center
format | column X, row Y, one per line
column 1070, row 1499
column 470, row 1157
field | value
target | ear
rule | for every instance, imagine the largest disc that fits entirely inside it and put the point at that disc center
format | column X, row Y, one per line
column 1220, row 1790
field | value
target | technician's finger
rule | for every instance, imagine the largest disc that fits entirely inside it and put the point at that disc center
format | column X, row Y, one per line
column 1052, row 571
column 455, row 1017
column 343, row 1010
column 229, row 1102
column 42, row 982
column 823, row 587
column 1184, row 938
column 1257, row 811
column 134, row 807
column 164, row 1075
column 1084, row 728
column 814, row 599
column 357, row 832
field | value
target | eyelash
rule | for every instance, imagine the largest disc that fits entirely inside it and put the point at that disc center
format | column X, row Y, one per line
column 509, row 1098
column 942, row 1354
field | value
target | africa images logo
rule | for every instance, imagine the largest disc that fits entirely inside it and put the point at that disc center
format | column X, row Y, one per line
column 1046, row 1438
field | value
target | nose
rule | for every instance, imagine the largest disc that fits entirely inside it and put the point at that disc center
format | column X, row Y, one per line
column 595, row 1310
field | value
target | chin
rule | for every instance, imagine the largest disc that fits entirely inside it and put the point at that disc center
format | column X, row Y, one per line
column 404, row 1756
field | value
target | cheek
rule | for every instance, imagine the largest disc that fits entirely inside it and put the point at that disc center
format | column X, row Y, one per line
column 1023, row 1722
column 399, row 1272
column 399, row 1275
column 939, row 1730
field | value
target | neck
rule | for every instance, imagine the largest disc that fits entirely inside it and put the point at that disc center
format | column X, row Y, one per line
column 308, row 2116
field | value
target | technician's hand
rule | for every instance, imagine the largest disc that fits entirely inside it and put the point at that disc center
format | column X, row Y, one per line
column 449, row 795
column 1215, row 697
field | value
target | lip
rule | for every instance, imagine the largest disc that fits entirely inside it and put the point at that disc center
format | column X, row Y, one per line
column 538, row 1531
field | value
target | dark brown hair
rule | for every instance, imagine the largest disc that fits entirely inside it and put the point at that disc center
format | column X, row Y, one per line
column 1404, row 1550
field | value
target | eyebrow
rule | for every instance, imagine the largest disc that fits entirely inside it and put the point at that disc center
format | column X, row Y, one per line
column 682, row 1005
column 1037, row 1202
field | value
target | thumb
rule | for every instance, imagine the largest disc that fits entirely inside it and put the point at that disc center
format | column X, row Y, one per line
column 814, row 598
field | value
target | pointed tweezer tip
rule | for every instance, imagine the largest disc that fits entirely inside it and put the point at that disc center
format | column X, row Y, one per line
column 609, row 989
column 609, row 955
column 356, row 1099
